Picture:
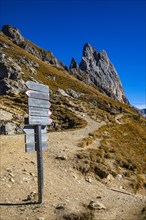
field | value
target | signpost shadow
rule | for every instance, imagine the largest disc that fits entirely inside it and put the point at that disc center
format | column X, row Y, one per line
column 19, row 204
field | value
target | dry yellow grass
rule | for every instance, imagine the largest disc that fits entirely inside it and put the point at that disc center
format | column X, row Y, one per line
column 126, row 143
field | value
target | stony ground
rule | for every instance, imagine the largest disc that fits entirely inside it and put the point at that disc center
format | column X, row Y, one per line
column 67, row 191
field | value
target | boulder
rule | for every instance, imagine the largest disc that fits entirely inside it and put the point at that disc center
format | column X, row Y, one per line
column 7, row 128
column 4, row 86
column 62, row 92
column 100, row 170
column 32, row 71
column 13, row 33
column 95, row 205
column 9, row 68
column 4, row 45
column 11, row 87
column 72, row 93
column 30, row 49
column 29, row 64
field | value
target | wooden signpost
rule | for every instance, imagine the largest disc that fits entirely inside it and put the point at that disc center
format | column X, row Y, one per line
column 35, row 131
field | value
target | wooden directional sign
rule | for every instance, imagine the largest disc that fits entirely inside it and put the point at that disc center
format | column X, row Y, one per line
column 38, row 104
column 37, row 94
column 37, row 87
column 30, row 140
column 36, row 136
column 38, row 120
column 34, row 111
column 30, row 147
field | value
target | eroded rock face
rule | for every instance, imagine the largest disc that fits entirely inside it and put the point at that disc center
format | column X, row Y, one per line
column 13, row 33
column 74, row 64
column 10, row 76
column 15, row 36
column 78, row 73
column 100, row 72
column 11, row 87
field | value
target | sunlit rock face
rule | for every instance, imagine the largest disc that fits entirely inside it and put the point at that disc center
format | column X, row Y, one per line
column 100, row 72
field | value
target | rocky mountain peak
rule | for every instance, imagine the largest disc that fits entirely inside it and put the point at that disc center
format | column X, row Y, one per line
column 95, row 67
column 101, row 73
column 73, row 64
column 103, row 55
column 13, row 33
column 88, row 50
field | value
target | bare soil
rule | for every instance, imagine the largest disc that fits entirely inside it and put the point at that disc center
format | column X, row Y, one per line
column 67, row 191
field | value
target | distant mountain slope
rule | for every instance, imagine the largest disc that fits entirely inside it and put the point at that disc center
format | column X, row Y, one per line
column 142, row 112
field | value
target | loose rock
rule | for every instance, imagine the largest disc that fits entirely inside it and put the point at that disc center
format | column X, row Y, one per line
column 41, row 218
column 60, row 157
column 95, row 205
column 60, row 206
column 12, row 180
column 62, row 92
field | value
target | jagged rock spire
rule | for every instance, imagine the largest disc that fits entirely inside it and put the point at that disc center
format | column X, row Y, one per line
column 73, row 64
column 102, row 73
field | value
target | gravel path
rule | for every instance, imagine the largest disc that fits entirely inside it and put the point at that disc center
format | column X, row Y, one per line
column 66, row 189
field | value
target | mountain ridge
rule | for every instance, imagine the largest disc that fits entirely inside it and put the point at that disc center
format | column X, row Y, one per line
column 95, row 68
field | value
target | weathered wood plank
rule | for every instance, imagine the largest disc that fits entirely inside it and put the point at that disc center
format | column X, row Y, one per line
column 38, row 103
column 34, row 120
column 31, row 137
column 34, row 111
column 29, row 147
column 37, row 95
column 39, row 164
column 37, row 86
column 29, row 129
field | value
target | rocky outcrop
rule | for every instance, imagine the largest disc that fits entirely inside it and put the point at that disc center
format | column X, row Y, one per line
column 77, row 72
column 73, row 94
column 74, row 64
column 10, row 75
column 100, row 72
column 15, row 36
column 62, row 92
column 9, row 69
column 13, row 33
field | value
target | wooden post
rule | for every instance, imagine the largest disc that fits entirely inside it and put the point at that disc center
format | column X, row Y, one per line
column 38, row 140
column 38, row 109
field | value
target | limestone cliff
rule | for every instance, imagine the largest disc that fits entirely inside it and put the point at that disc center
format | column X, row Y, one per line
column 99, row 72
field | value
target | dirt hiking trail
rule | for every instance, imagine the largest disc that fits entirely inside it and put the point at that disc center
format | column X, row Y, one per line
column 67, row 191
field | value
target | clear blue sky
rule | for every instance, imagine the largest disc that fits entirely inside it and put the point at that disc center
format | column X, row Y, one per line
column 64, row 26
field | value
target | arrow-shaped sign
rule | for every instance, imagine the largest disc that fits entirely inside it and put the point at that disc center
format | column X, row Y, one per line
column 37, row 95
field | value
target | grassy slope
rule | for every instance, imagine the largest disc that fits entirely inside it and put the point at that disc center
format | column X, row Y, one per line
column 126, row 142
